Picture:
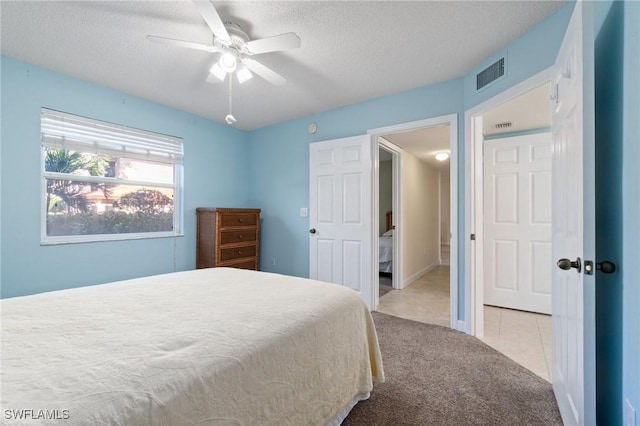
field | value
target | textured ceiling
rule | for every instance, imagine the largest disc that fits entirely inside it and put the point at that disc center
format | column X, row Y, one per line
column 424, row 144
column 351, row 50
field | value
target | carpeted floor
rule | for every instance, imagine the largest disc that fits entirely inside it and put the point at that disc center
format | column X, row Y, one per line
column 437, row 376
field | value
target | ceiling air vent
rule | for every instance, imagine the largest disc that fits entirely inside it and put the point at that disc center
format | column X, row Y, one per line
column 490, row 74
column 504, row 125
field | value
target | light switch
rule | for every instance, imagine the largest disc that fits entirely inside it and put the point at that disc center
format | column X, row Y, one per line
column 304, row 212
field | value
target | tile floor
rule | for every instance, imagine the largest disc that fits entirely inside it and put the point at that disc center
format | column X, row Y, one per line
column 425, row 300
column 522, row 336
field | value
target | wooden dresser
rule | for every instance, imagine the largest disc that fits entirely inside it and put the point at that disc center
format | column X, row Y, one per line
column 228, row 237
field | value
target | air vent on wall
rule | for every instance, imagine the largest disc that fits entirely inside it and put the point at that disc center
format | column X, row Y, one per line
column 504, row 125
column 490, row 74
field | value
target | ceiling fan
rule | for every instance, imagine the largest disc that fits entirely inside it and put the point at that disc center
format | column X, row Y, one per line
column 236, row 50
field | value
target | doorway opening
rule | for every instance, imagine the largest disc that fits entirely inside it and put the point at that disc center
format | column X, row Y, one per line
column 388, row 255
column 511, row 217
column 415, row 205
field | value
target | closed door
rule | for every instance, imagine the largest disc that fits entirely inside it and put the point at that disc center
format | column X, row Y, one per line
column 517, row 222
column 340, row 213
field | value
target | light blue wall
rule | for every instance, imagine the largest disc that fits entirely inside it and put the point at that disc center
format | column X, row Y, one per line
column 631, row 208
column 280, row 163
column 533, row 52
column 215, row 175
column 0, row 177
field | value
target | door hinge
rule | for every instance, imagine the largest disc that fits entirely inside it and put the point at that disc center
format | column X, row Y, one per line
column 473, row 237
column 554, row 94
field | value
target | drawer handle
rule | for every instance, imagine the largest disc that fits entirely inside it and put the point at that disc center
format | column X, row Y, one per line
column 239, row 252
column 240, row 220
column 240, row 237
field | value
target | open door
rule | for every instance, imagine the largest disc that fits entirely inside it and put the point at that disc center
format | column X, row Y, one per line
column 573, row 229
column 517, row 222
column 339, row 213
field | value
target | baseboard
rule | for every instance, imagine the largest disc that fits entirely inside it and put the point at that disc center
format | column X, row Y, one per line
column 419, row 274
column 461, row 326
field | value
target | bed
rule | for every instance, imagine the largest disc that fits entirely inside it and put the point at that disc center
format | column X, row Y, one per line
column 215, row 346
column 385, row 250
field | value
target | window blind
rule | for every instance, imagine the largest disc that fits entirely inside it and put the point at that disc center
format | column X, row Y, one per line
column 67, row 131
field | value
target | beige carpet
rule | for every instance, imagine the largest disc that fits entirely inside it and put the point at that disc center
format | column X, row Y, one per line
column 437, row 376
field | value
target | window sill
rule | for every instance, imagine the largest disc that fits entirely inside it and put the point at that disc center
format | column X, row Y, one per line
column 97, row 238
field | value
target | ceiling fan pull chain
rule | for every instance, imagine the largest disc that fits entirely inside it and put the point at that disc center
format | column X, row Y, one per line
column 230, row 119
column 230, row 93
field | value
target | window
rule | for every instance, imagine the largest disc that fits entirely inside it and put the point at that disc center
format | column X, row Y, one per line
column 102, row 181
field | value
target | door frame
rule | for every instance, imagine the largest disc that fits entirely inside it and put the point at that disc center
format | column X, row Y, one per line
column 397, row 276
column 452, row 121
column 474, row 197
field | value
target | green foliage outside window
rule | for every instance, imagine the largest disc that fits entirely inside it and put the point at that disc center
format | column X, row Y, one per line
column 72, row 205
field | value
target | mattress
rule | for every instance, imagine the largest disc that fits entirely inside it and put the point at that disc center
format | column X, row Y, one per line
column 210, row 347
column 386, row 249
column 386, row 267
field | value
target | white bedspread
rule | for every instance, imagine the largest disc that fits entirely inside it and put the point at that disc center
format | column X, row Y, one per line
column 210, row 347
column 386, row 249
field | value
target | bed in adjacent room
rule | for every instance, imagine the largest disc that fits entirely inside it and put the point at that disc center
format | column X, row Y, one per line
column 386, row 252
column 213, row 346
column 385, row 249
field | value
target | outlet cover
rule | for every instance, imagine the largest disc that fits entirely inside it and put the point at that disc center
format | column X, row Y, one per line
column 629, row 413
column 304, row 212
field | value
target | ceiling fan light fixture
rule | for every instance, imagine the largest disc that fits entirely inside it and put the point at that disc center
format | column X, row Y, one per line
column 442, row 156
column 228, row 62
column 243, row 73
column 218, row 72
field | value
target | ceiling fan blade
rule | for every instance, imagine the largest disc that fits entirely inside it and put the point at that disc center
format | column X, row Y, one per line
column 211, row 17
column 181, row 43
column 264, row 72
column 213, row 79
column 275, row 43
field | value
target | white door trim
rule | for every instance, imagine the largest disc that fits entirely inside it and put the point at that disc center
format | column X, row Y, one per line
column 396, row 207
column 452, row 121
column 474, row 195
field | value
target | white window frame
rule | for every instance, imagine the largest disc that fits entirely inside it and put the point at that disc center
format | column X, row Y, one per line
column 168, row 149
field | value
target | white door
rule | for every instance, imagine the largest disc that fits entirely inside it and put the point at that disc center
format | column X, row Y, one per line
column 340, row 213
column 517, row 222
column 573, row 300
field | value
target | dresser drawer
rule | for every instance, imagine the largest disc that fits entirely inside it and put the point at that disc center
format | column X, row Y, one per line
column 238, row 219
column 244, row 264
column 237, row 252
column 234, row 237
